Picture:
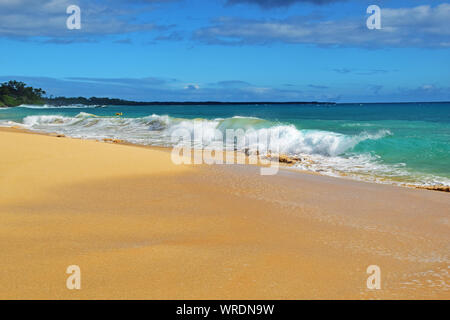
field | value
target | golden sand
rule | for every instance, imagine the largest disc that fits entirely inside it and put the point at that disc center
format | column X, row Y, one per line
column 141, row 227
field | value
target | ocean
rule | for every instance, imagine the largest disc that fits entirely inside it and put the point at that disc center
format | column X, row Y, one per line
column 406, row 144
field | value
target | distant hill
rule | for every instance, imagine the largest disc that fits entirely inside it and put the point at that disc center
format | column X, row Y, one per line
column 94, row 101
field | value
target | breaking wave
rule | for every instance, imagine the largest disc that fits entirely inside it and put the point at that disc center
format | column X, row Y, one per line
column 327, row 152
column 156, row 129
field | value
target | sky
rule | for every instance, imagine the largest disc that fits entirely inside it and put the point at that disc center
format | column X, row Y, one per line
column 230, row 50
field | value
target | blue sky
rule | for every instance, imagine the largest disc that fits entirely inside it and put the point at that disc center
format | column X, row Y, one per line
column 230, row 50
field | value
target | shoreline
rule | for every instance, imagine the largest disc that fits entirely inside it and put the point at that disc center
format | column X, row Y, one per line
column 285, row 162
column 141, row 227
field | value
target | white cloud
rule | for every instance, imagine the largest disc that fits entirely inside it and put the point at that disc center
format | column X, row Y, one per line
column 422, row 26
column 47, row 19
column 192, row 87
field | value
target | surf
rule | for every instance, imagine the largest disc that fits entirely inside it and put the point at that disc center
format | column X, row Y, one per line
column 360, row 148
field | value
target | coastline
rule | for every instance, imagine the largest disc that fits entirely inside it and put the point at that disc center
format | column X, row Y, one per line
column 142, row 228
column 286, row 162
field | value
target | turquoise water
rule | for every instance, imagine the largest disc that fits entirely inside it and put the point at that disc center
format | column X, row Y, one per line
column 407, row 143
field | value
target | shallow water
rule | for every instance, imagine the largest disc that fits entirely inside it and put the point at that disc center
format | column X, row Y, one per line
column 393, row 143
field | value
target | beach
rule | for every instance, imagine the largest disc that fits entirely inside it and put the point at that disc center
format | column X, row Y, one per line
column 141, row 227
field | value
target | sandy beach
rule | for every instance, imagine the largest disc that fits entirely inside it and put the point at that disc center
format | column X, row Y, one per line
column 141, row 227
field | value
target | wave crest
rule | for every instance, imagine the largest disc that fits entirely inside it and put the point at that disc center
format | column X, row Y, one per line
column 158, row 129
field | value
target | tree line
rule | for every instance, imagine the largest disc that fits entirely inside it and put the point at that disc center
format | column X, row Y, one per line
column 14, row 93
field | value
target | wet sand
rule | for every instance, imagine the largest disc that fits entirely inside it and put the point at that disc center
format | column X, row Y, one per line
column 141, row 227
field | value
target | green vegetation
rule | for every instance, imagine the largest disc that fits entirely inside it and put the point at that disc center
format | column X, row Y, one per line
column 94, row 101
column 15, row 93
